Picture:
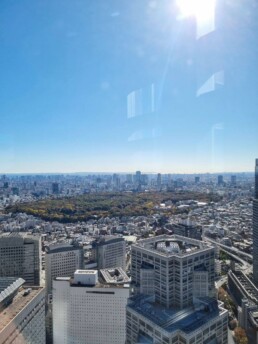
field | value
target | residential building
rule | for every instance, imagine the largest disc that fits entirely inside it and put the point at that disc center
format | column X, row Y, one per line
column 22, row 312
column 20, row 256
column 90, row 308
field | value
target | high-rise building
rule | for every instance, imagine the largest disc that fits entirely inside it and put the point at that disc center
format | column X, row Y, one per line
column 90, row 309
column 197, row 180
column 22, row 312
column 129, row 178
column 159, row 180
column 55, row 188
column 220, row 180
column 138, row 177
column 255, row 226
column 109, row 252
column 116, row 180
column 233, row 180
column 174, row 301
column 20, row 256
column 61, row 260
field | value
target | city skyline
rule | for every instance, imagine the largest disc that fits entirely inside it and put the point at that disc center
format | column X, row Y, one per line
column 127, row 86
column 85, row 173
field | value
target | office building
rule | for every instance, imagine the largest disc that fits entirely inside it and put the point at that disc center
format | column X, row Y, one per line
column 22, row 312
column 20, row 256
column 197, row 180
column 138, row 177
column 255, row 226
column 233, row 180
column 90, row 308
column 159, row 180
column 187, row 229
column 61, row 260
column 220, row 180
column 109, row 252
column 116, row 180
column 55, row 188
column 129, row 178
column 179, row 306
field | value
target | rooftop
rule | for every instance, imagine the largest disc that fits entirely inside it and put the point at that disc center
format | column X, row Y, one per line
column 21, row 299
column 56, row 248
column 170, row 245
column 8, row 287
column 107, row 239
column 186, row 320
column 114, row 276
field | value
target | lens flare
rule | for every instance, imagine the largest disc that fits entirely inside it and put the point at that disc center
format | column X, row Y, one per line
column 202, row 10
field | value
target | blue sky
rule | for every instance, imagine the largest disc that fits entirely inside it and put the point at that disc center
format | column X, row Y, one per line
column 126, row 85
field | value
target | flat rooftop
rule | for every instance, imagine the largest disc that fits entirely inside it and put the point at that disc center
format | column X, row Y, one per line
column 9, row 286
column 114, row 276
column 62, row 247
column 17, row 305
column 170, row 245
column 187, row 320
column 107, row 239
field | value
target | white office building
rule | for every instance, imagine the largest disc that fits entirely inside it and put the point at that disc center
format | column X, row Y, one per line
column 61, row 260
column 90, row 308
column 22, row 312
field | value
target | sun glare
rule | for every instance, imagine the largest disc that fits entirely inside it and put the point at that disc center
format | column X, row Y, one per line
column 202, row 10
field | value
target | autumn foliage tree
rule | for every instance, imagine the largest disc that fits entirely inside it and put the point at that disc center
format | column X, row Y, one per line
column 240, row 336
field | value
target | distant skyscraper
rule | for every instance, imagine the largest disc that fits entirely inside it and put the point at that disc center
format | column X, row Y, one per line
column 255, row 226
column 220, row 180
column 138, row 177
column 159, row 180
column 173, row 279
column 129, row 178
column 197, row 180
column 55, row 188
column 90, row 309
column 20, row 256
column 144, row 179
column 233, row 180
column 22, row 312
column 116, row 180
